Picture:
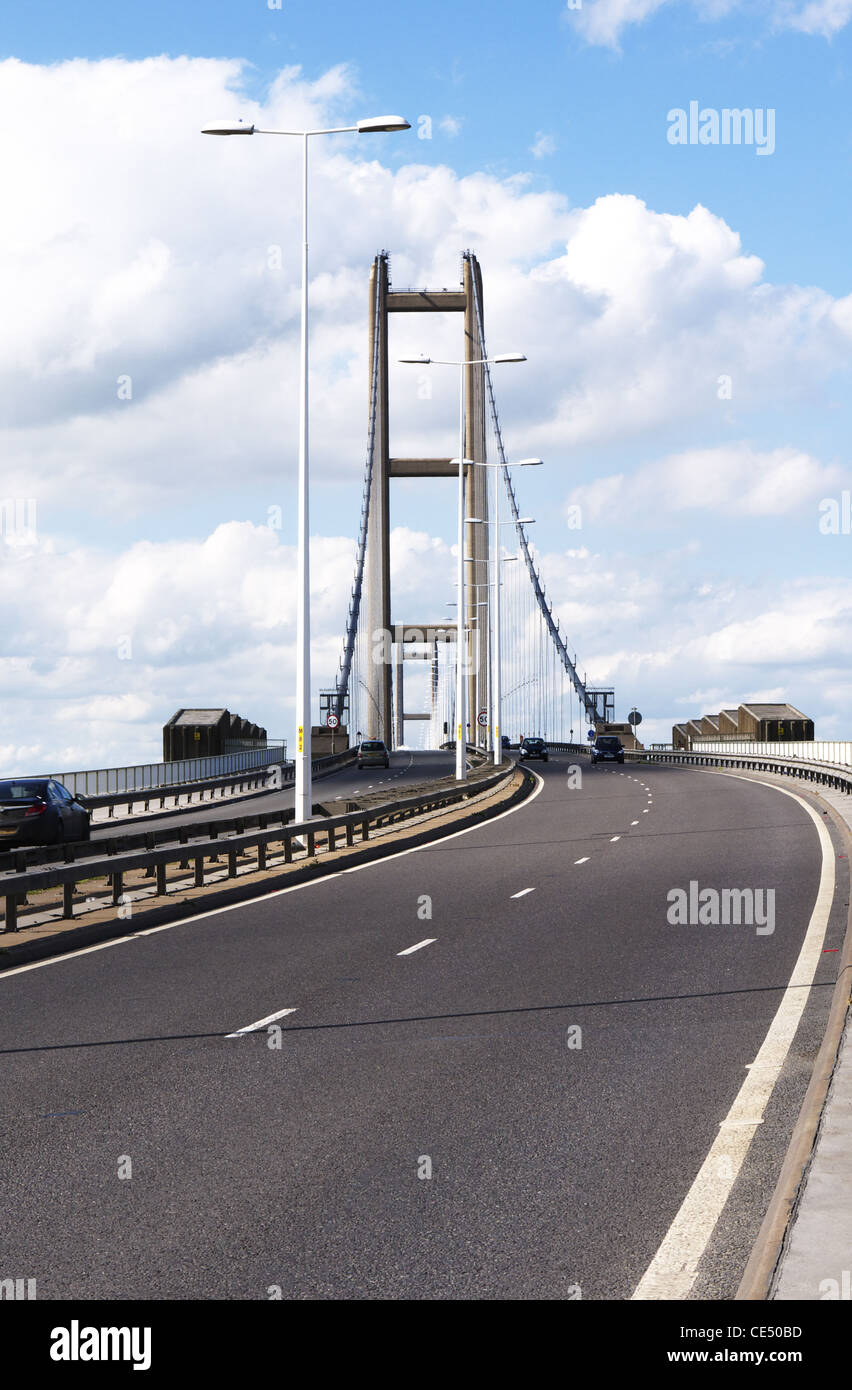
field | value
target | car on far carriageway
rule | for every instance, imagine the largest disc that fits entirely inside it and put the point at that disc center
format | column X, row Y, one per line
column 373, row 753
column 607, row 748
column 40, row 811
column 534, row 748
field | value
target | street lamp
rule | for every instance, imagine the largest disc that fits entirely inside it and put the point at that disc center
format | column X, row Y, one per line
column 525, row 521
column 303, row 794
column 461, row 770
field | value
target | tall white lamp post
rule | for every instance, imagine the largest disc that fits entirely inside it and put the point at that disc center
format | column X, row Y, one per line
column 304, row 799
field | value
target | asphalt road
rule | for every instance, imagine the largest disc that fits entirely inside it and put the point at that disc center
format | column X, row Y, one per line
column 406, row 768
column 305, row 1168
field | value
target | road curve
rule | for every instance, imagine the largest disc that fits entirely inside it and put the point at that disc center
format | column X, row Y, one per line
column 428, row 1127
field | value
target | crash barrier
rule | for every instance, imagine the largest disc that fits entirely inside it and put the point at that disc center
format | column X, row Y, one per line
column 141, row 777
column 263, row 776
column 40, row 854
column 195, row 845
column 829, row 774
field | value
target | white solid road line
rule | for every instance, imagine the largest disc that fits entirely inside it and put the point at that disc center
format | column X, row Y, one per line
column 584, row 860
column 523, row 893
column 671, row 1274
column 428, row 942
column 261, row 1023
column 267, row 897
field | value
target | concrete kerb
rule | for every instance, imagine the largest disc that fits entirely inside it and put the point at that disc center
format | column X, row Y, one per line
column 102, row 925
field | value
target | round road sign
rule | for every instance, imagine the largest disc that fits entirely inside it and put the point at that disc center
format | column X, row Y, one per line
column 332, row 721
column 634, row 717
column 482, row 717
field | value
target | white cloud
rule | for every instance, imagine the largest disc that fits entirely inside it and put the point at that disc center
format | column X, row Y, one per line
column 543, row 145
column 735, row 480
column 824, row 17
column 140, row 248
column 603, row 22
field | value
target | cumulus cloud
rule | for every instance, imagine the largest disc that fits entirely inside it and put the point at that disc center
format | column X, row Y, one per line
column 163, row 624
column 736, row 480
column 149, row 369
column 647, row 626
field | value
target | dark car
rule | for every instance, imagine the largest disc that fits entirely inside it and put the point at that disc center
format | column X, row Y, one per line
column 39, row 811
column 372, row 752
column 534, row 748
column 607, row 748
column 505, row 741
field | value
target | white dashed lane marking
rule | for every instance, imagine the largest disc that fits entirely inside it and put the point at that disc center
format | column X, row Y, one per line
column 261, row 1023
column 420, row 944
column 584, row 860
column 523, row 892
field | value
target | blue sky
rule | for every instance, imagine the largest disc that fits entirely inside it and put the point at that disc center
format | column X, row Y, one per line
column 510, row 71
column 137, row 247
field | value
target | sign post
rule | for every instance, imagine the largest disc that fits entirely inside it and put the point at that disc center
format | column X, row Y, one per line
column 634, row 719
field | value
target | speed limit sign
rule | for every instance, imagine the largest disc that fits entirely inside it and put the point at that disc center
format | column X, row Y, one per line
column 482, row 718
column 332, row 721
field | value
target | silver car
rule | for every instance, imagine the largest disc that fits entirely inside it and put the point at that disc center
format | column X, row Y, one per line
column 373, row 753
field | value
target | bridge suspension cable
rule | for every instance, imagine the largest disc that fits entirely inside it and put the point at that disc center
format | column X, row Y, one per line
column 342, row 680
column 586, row 700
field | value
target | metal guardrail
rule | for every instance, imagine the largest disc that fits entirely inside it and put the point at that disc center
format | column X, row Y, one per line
column 19, row 859
column 830, row 774
column 140, row 777
column 298, row 840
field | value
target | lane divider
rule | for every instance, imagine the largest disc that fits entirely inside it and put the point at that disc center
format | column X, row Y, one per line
column 419, row 947
column 261, row 1023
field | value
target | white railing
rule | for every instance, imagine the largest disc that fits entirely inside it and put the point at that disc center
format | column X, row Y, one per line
column 108, row 781
column 815, row 750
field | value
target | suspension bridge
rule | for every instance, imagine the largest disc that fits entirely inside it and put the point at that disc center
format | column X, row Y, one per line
column 542, row 691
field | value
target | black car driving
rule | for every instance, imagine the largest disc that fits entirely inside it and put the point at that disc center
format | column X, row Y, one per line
column 534, row 748
column 40, row 811
column 607, row 748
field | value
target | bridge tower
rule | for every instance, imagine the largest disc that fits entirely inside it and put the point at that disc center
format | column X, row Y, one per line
column 381, row 630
